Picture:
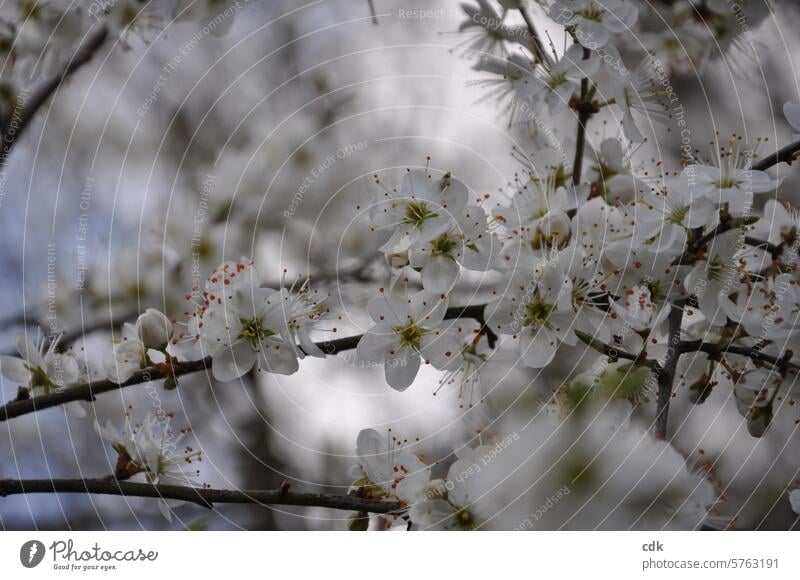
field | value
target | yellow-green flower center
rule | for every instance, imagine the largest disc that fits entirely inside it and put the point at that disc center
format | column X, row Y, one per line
column 727, row 182
column 716, row 268
column 538, row 312
column 444, row 245
column 464, row 520
column 556, row 80
column 592, row 12
column 417, row 213
column 678, row 214
column 657, row 294
column 410, row 335
column 254, row 331
column 40, row 379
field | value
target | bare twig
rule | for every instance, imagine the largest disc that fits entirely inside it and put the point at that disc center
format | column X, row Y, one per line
column 694, row 248
column 585, row 111
column 372, row 11
column 88, row 391
column 775, row 250
column 785, row 155
column 204, row 497
column 666, row 374
column 782, row 363
column 614, row 353
column 15, row 319
column 43, row 92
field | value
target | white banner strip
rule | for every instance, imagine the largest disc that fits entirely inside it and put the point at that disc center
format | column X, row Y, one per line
column 349, row 555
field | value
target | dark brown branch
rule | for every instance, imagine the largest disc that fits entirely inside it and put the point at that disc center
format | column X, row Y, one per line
column 694, row 248
column 15, row 319
column 782, row 363
column 204, row 497
column 613, row 353
column 785, row 155
column 43, row 92
column 88, row 391
column 475, row 312
column 585, row 110
column 666, row 374
column 775, row 250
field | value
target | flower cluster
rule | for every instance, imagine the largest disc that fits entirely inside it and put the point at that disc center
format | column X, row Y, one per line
column 41, row 368
column 601, row 472
column 149, row 452
column 39, row 38
column 242, row 325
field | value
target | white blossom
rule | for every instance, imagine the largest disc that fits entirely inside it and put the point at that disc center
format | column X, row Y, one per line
column 386, row 465
column 537, row 308
column 406, row 331
column 419, row 211
column 594, row 21
column 150, row 452
column 151, row 334
column 39, row 365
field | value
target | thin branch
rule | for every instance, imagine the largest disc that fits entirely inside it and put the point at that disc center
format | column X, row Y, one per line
column 43, row 92
column 475, row 312
column 372, row 11
column 614, row 353
column 775, row 250
column 782, row 363
column 785, row 155
column 585, row 111
column 15, row 319
column 205, row 497
column 89, row 391
column 690, row 253
column 666, row 374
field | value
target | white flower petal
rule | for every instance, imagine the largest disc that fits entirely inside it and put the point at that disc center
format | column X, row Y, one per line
column 278, row 357
column 401, row 370
column 28, row 350
column 125, row 360
column 794, row 500
column 371, row 449
column 375, row 345
column 538, row 347
column 15, row 369
column 440, row 349
column 440, row 274
column 232, row 362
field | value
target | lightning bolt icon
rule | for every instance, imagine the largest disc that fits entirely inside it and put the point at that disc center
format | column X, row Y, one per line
column 34, row 549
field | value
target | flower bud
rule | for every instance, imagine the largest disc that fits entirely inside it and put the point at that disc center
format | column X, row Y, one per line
column 154, row 329
column 398, row 260
column 759, row 420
